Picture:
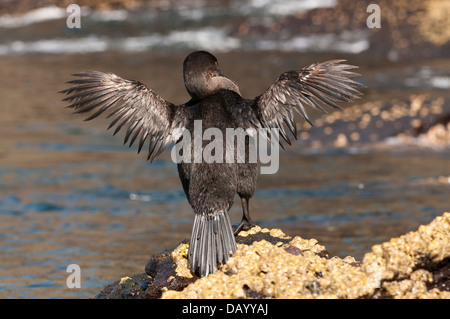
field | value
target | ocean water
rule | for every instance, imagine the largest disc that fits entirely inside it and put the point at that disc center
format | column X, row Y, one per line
column 179, row 27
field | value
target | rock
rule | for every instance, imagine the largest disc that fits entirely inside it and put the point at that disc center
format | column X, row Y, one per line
column 169, row 271
column 419, row 120
column 269, row 264
column 403, row 264
column 438, row 135
column 133, row 287
column 299, row 268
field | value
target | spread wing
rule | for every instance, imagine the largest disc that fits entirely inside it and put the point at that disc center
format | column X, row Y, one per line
column 132, row 104
column 319, row 83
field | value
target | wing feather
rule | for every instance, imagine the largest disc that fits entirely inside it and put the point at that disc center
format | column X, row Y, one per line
column 320, row 83
column 146, row 115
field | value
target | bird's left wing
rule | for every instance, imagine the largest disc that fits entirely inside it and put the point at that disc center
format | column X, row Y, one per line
column 319, row 83
column 132, row 104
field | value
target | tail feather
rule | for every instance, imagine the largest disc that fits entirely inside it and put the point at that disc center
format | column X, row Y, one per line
column 212, row 241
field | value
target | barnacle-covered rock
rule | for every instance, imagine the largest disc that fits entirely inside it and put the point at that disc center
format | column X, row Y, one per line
column 270, row 264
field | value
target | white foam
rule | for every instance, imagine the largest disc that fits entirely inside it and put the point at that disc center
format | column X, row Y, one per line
column 346, row 42
column 34, row 16
column 206, row 38
column 112, row 15
column 55, row 13
column 143, row 198
column 81, row 45
column 215, row 39
column 287, row 7
column 440, row 82
column 426, row 77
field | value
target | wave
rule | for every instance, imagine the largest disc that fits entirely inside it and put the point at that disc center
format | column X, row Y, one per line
column 197, row 12
column 346, row 42
column 50, row 13
column 31, row 17
column 204, row 27
column 206, row 38
column 82, row 45
column 215, row 39
column 285, row 7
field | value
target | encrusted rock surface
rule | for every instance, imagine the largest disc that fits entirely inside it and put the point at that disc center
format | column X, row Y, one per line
column 422, row 119
column 404, row 265
column 269, row 264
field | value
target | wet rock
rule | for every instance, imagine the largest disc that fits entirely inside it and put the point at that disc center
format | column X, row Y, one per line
column 133, row 287
column 438, row 135
column 409, row 30
column 441, row 276
column 419, row 120
column 169, row 271
column 275, row 273
column 402, row 266
column 269, row 264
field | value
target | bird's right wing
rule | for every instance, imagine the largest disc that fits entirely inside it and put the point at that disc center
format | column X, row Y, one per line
column 132, row 104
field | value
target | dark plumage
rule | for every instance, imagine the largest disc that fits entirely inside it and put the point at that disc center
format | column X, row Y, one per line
column 211, row 187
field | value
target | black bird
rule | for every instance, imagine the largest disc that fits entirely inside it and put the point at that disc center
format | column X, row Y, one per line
column 215, row 99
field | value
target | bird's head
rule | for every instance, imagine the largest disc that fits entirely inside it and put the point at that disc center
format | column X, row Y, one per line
column 202, row 76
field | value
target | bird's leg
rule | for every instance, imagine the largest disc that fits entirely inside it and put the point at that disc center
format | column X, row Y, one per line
column 246, row 222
